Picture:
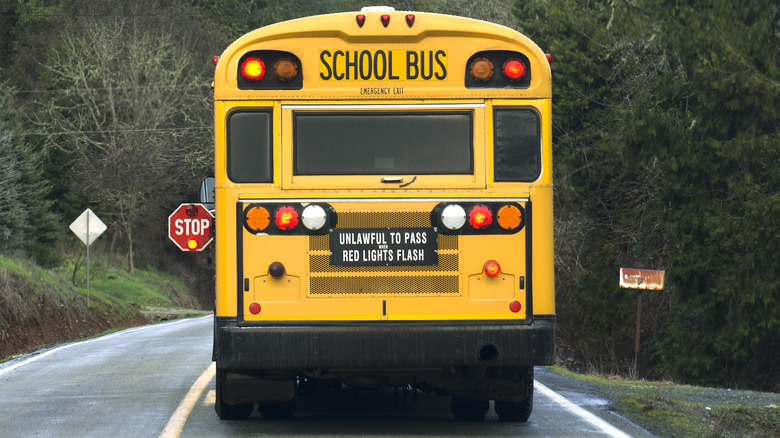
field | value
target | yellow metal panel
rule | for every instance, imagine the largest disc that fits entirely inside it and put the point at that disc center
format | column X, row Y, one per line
column 307, row 38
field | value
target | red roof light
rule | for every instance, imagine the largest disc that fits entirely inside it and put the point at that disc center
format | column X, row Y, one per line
column 253, row 69
column 514, row 69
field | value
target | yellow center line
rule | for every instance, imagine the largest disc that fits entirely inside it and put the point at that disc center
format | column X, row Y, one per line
column 176, row 424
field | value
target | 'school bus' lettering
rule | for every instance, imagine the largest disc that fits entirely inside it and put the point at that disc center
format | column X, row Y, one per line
column 384, row 212
column 383, row 65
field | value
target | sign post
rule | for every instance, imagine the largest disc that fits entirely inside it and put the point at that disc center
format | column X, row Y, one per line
column 88, row 227
column 190, row 227
column 641, row 279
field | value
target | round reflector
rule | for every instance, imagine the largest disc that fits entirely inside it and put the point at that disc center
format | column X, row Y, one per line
column 515, row 306
column 254, row 308
column 513, row 69
column 285, row 69
column 314, row 217
column 453, row 217
column 286, row 218
column 481, row 69
column 509, row 217
column 480, row 217
column 253, row 69
column 257, row 219
column 492, row 268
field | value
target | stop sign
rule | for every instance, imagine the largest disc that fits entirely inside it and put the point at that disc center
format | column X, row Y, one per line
column 189, row 226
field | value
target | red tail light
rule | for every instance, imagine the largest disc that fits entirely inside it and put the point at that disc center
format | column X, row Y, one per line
column 286, row 218
column 480, row 217
column 253, row 69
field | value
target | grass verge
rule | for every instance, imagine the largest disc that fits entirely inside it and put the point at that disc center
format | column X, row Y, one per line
column 668, row 409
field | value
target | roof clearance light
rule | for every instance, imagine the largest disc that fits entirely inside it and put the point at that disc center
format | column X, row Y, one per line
column 410, row 19
column 253, row 69
column 492, row 268
column 285, row 69
column 215, row 59
column 453, row 217
column 509, row 217
column 258, row 219
column 481, row 70
column 360, row 19
column 286, row 218
column 314, row 217
column 385, row 19
column 480, row 217
column 513, row 69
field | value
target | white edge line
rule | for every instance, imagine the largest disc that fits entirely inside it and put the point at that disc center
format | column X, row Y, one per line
column 66, row 346
column 580, row 412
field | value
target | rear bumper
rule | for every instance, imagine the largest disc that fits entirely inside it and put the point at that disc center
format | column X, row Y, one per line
column 390, row 346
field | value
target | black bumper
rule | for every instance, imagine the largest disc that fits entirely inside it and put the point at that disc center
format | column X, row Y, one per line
column 388, row 345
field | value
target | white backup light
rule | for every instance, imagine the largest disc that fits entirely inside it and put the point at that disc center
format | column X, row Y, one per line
column 453, row 217
column 314, row 217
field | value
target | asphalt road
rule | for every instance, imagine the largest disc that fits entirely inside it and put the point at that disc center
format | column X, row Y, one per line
column 157, row 380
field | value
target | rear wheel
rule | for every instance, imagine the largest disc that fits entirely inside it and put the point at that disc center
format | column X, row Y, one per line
column 518, row 411
column 469, row 410
column 276, row 411
column 227, row 411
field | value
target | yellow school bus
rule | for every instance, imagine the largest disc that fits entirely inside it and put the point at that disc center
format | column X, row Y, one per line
column 383, row 189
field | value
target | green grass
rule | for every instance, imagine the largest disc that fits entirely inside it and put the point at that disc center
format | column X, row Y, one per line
column 34, row 274
column 145, row 288
column 669, row 409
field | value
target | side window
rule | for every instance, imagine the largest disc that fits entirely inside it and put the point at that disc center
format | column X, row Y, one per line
column 517, row 145
column 249, row 154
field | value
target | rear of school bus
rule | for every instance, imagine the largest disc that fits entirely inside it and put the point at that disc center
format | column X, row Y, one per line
column 383, row 212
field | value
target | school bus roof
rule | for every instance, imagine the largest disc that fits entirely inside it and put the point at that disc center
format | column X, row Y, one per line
column 341, row 56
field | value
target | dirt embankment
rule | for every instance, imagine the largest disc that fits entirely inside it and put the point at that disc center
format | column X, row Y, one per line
column 32, row 315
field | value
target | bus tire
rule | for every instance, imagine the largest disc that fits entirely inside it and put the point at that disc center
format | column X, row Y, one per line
column 227, row 411
column 518, row 411
column 276, row 411
column 469, row 410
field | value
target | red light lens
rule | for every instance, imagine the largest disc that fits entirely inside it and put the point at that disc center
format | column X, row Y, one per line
column 361, row 20
column 480, row 217
column 253, row 69
column 410, row 19
column 492, row 268
column 385, row 20
column 515, row 306
column 286, row 218
column 254, row 308
column 513, row 69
